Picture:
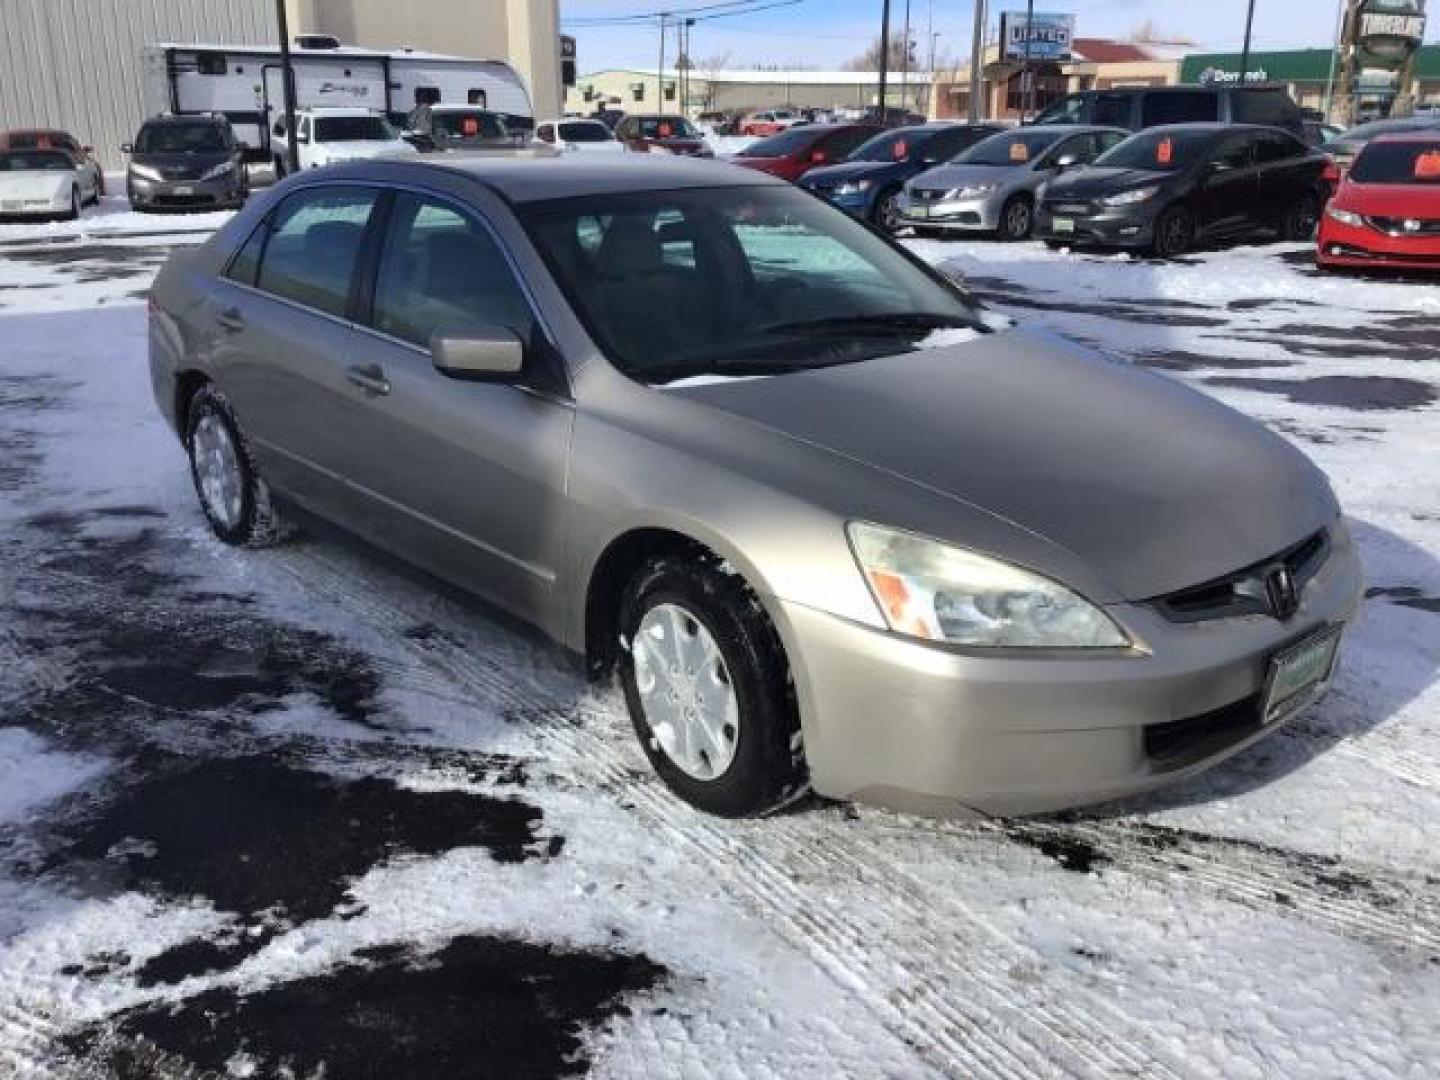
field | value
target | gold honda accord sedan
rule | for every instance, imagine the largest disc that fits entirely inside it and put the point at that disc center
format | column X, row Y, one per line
column 835, row 526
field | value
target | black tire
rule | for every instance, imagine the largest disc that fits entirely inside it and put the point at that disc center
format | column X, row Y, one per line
column 1301, row 220
column 1057, row 245
column 884, row 215
column 929, row 232
column 75, row 204
column 1174, row 233
column 1017, row 219
column 258, row 524
column 768, row 768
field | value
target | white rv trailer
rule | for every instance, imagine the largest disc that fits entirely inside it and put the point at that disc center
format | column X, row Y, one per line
column 246, row 85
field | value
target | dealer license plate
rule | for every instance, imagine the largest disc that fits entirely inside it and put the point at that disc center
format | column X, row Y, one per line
column 1298, row 672
column 184, row 189
column 1063, row 224
column 919, row 211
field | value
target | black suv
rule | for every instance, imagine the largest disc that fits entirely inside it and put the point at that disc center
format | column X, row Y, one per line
column 1137, row 108
column 186, row 163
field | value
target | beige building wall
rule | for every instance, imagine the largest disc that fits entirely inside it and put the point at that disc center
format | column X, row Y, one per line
column 707, row 93
column 524, row 32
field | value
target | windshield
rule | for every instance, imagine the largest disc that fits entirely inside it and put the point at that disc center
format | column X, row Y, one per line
column 354, row 129
column 587, row 131
column 1157, row 151
column 472, row 124
column 1010, row 148
column 1398, row 163
column 787, row 142
column 741, row 281
column 34, row 161
column 892, row 145
column 666, row 127
column 181, row 139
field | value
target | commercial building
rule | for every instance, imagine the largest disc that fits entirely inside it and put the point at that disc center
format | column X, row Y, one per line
column 634, row 90
column 76, row 64
column 1311, row 74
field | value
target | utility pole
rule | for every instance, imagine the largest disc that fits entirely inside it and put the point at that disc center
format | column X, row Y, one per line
column 977, row 64
column 689, row 66
column 905, row 60
column 660, row 70
column 287, row 78
column 1334, row 60
column 884, row 55
column 1028, row 78
column 1245, row 56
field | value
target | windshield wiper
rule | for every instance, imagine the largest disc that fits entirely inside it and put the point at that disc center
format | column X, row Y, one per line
column 906, row 323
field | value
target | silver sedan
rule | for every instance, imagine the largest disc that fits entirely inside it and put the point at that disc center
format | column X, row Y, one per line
column 994, row 186
column 798, row 490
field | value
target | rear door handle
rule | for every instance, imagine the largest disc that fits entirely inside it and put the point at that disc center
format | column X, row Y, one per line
column 230, row 320
column 369, row 378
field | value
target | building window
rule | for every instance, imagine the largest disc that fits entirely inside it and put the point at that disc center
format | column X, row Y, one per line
column 210, row 63
column 475, row 96
column 637, row 91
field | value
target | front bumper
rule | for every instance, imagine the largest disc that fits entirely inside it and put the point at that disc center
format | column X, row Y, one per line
column 1100, row 226
column 979, row 215
column 35, row 208
column 937, row 730
column 1348, row 245
column 222, row 193
column 856, row 204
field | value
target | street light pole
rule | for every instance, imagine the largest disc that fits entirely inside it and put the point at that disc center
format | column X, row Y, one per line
column 660, row 70
column 1028, row 78
column 905, row 60
column 287, row 79
column 884, row 54
column 1245, row 56
column 1334, row 59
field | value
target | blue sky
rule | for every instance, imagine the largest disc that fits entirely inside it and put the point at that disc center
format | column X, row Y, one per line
column 825, row 33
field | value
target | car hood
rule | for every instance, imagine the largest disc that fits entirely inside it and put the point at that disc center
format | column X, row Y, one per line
column 35, row 184
column 178, row 165
column 1096, row 183
column 1390, row 200
column 831, row 175
column 957, row 176
column 1153, row 486
column 359, row 149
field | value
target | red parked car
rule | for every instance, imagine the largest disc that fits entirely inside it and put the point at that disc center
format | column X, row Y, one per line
column 54, row 139
column 793, row 153
column 1386, row 211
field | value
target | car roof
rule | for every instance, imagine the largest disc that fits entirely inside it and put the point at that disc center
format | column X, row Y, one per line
column 529, row 180
column 1214, row 127
column 1059, row 129
column 176, row 120
column 1418, row 135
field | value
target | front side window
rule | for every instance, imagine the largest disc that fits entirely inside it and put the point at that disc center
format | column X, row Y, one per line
column 673, row 284
column 1235, row 153
column 1181, row 107
column 440, row 272
column 468, row 124
column 1277, row 147
column 355, row 129
column 313, row 245
column 584, row 131
column 1158, row 151
column 1010, row 148
column 181, row 139
column 1113, row 110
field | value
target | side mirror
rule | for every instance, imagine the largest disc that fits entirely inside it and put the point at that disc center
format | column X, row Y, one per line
column 1067, row 161
column 127, row 148
column 482, row 354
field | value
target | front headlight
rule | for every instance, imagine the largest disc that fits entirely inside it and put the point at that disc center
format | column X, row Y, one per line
column 1130, row 198
column 1345, row 217
column 932, row 590
column 145, row 172
column 219, row 170
column 853, row 187
column 973, row 191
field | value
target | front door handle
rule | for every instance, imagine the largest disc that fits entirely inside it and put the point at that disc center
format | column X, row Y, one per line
column 369, row 378
column 230, row 320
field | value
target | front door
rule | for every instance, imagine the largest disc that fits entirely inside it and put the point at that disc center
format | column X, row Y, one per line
column 466, row 479
column 1229, row 192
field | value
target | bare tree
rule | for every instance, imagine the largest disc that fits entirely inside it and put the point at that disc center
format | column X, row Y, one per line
column 708, row 67
column 869, row 60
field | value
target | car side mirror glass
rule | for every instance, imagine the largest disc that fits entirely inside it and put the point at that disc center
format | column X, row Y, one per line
column 1067, row 161
column 483, row 354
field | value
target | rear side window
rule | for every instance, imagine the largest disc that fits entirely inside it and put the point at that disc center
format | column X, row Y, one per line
column 1277, row 147
column 839, row 145
column 314, row 244
column 245, row 266
column 1270, row 107
column 1113, row 110
column 441, row 272
column 1181, row 107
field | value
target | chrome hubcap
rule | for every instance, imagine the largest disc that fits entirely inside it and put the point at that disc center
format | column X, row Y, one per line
column 685, row 691
column 217, row 467
column 889, row 216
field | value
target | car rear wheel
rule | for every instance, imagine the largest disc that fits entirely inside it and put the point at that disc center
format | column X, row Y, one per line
column 1174, row 233
column 886, row 213
column 708, row 687
column 1017, row 219
column 235, row 499
column 1301, row 220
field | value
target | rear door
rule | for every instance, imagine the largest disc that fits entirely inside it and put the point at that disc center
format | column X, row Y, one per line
column 464, row 478
column 1288, row 174
column 279, row 316
column 1228, row 193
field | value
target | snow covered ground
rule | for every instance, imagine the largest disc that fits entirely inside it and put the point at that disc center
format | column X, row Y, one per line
column 303, row 809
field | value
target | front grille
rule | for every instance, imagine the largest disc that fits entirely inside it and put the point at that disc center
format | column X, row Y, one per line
column 928, row 194
column 1405, row 226
column 1179, row 743
column 1067, row 208
column 1347, row 251
column 1250, row 591
column 184, row 200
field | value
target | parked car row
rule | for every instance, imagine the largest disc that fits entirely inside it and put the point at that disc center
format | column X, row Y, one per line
column 46, row 173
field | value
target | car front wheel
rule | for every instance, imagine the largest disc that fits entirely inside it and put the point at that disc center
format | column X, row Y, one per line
column 886, row 213
column 708, row 687
column 1301, row 220
column 235, row 499
column 1017, row 219
column 1174, row 232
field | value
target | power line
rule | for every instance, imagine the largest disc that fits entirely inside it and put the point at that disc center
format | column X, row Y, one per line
column 718, row 10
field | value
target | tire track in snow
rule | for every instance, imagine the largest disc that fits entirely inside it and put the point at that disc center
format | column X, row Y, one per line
column 960, row 1014
column 27, row 1042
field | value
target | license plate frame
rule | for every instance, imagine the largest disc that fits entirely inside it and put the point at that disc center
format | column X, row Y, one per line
column 1297, row 674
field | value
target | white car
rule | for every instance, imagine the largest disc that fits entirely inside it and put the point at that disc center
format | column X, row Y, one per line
column 578, row 137
column 333, row 136
column 45, row 183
